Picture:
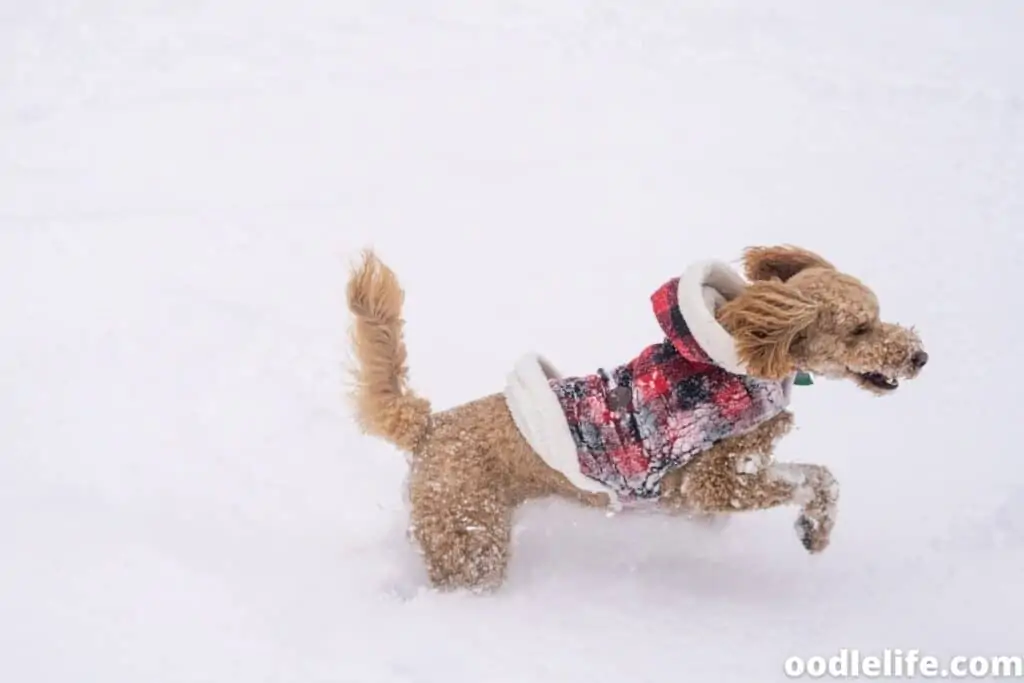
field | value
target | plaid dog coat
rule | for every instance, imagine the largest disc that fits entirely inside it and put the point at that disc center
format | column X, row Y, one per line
column 619, row 431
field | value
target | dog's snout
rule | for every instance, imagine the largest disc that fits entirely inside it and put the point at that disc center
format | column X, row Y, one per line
column 919, row 359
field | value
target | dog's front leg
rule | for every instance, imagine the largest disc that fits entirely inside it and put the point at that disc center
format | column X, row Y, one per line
column 728, row 483
column 816, row 491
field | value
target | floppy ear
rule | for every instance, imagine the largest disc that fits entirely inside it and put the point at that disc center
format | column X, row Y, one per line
column 783, row 262
column 765, row 321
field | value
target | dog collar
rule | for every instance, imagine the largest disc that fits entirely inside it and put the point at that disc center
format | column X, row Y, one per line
column 803, row 379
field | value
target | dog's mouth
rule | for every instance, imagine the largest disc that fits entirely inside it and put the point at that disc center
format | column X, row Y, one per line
column 877, row 380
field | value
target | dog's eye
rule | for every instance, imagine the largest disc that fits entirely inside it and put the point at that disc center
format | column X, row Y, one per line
column 861, row 330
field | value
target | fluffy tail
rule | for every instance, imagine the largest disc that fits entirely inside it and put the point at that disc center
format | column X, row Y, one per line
column 384, row 405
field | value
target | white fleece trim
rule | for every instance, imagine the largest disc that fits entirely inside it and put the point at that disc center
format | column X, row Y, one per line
column 702, row 288
column 539, row 417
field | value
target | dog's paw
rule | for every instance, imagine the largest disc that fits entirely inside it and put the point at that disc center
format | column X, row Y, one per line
column 814, row 535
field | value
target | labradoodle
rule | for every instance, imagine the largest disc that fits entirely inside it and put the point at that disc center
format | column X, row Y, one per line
column 687, row 426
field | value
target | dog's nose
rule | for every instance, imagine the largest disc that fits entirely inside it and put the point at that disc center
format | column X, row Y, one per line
column 919, row 359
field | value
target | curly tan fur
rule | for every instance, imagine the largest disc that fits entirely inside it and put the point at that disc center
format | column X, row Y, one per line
column 779, row 263
column 766, row 320
column 384, row 405
column 471, row 468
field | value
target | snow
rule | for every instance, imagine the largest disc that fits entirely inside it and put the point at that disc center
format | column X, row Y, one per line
column 183, row 185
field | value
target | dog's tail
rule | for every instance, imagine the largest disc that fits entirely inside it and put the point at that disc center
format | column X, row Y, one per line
column 384, row 405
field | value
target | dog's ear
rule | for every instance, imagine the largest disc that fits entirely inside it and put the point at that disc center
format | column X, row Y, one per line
column 766, row 321
column 782, row 262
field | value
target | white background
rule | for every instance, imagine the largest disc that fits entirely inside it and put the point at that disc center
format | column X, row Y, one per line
column 183, row 186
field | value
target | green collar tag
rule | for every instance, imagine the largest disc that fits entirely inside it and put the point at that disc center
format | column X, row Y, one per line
column 803, row 379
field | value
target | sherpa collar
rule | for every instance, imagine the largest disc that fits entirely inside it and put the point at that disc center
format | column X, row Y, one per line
column 685, row 308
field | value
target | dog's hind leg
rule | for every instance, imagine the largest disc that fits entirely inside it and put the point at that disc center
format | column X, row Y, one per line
column 464, row 535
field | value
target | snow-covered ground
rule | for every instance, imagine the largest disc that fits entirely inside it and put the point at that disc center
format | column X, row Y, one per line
column 183, row 186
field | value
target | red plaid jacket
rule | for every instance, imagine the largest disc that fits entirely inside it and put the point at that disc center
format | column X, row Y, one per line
column 634, row 423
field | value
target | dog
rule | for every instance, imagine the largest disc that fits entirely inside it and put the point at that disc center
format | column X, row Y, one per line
column 688, row 426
